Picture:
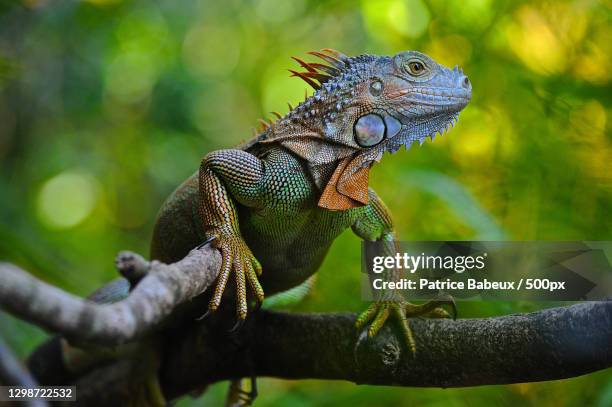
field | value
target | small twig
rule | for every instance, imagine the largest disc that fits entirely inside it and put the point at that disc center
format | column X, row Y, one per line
column 155, row 297
column 132, row 266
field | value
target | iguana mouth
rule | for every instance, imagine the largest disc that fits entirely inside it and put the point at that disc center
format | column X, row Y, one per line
column 398, row 93
column 440, row 94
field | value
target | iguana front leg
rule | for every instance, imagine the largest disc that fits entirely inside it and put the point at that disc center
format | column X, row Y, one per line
column 227, row 176
column 375, row 224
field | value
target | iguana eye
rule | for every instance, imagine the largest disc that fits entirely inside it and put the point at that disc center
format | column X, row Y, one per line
column 369, row 130
column 415, row 68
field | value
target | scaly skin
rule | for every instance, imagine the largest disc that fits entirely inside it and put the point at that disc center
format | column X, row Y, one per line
column 275, row 204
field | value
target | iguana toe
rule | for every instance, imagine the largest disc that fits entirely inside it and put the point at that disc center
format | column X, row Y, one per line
column 378, row 313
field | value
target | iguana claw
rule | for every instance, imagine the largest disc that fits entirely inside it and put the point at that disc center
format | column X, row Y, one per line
column 204, row 243
column 237, row 325
column 204, row 316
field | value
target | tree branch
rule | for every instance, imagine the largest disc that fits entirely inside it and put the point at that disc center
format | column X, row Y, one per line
column 550, row 344
column 155, row 297
column 545, row 345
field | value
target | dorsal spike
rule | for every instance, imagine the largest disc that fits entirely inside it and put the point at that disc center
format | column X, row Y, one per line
column 290, row 107
column 321, row 77
column 325, row 68
column 304, row 65
column 305, row 79
column 277, row 114
column 265, row 124
column 337, row 54
column 305, row 95
column 332, row 60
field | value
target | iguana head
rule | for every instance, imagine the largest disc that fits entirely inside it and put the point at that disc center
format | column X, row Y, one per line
column 364, row 106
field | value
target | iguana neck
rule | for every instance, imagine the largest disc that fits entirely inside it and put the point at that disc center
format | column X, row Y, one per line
column 299, row 124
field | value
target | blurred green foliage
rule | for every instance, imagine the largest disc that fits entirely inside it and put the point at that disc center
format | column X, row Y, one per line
column 106, row 105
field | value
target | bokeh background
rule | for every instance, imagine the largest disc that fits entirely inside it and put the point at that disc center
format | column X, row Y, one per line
column 107, row 105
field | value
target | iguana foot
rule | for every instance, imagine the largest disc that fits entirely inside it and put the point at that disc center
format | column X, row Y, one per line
column 239, row 394
column 379, row 312
column 237, row 257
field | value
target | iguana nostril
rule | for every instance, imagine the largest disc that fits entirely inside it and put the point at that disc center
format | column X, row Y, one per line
column 466, row 82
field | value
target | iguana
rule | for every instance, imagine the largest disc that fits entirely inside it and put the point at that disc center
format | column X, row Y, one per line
column 275, row 204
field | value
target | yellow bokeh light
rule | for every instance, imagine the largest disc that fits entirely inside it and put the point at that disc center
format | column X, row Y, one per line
column 532, row 39
column 476, row 135
column 594, row 65
column 450, row 50
column 589, row 121
column 67, row 199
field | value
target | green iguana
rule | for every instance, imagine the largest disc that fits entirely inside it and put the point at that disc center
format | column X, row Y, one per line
column 275, row 204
